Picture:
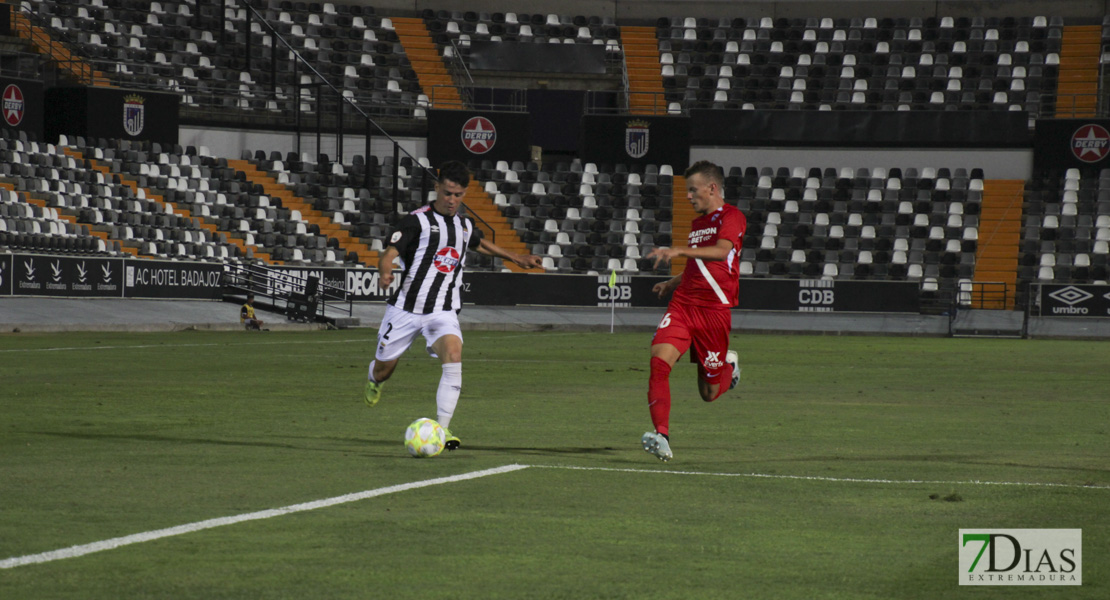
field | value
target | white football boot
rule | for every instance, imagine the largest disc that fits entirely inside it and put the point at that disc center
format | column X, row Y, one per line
column 658, row 445
column 733, row 359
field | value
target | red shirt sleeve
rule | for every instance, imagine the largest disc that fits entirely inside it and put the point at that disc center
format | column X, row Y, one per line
column 733, row 226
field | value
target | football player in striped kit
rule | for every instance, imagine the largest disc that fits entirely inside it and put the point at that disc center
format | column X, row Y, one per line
column 431, row 242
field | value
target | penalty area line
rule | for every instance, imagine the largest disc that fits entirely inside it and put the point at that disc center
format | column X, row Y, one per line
column 829, row 479
column 81, row 550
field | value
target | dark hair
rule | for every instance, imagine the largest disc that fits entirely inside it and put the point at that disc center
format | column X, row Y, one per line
column 454, row 170
column 708, row 170
column 250, row 296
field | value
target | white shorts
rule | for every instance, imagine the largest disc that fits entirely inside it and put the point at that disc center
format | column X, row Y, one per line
column 400, row 327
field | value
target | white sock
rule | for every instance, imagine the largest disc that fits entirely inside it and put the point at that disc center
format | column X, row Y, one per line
column 447, row 396
column 370, row 372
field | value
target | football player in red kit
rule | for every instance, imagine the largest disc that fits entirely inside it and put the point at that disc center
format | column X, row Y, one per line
column 699, row 316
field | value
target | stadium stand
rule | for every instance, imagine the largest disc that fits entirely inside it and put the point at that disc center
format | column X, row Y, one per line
column 1066, row 228
column 937, row 225
column 203, row 54
column 876, row 64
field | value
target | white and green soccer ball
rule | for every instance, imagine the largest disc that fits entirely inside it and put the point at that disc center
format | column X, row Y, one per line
column 424, row 438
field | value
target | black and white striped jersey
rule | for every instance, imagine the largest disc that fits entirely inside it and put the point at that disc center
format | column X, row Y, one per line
column 433, row 248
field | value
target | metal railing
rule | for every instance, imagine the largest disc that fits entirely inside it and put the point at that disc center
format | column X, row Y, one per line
column 460, row 74
column 621, row 102
column 22, row 65
column 33, row 28
column 987, row 295
column 288, row 292
column 1072, row 105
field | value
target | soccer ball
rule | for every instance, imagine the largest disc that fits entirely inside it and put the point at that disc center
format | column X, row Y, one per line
column 424, row 438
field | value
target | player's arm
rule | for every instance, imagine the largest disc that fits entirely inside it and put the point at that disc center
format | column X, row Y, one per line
column 526, row 261
column 400, row 242
column 385, row 266
column 718, row 251
column 666, row 287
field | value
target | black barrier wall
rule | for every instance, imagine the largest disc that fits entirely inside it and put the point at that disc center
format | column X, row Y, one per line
column 1055, row 300
column 467, row 135
column 858, row 128
column 6, row 275
column 40, row 275
column 172, row 279
column 35, row 275
column 630, row 139
column 112, row 113
column 23, row 106
column 1068, row 143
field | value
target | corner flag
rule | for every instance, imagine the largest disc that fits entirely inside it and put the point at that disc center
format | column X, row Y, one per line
column 612, row 300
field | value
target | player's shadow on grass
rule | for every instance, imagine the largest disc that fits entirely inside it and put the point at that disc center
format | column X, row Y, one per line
column 386, row 447
column 539, row 451
column 146, row 437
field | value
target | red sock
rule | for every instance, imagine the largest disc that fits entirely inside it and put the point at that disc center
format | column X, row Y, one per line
column 725, row 381
column 659, row 395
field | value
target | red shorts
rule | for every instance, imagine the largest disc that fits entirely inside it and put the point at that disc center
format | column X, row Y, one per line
column 706, row 329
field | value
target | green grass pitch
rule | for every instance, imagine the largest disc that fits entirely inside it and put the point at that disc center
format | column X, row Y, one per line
column 843, row 467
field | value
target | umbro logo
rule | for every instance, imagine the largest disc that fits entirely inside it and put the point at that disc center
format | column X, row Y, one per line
column 434, row 229
column 1071, row 295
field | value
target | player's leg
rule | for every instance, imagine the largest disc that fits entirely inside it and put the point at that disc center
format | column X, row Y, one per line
column 715, row 371
column 663, row 358
column 670, row 341
column 445, row 341
column 395, row 335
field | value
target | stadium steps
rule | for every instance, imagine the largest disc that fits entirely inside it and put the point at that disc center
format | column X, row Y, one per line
column 328, row 228
column 1077, row 86
column 996, row 258
column 431, row 72
column 169, row 208
column 68, row 62
column 645, row 79
column 684, row 214
column 480, row 205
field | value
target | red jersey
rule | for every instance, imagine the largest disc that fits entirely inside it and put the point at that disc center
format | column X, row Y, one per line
column 714, row 283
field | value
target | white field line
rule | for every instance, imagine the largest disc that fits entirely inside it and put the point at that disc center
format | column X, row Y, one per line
column 75, row 551
column 830, row 479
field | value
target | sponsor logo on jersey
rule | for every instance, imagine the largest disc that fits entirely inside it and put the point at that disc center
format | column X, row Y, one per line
column 1090, row 143
column 13, row 105
column 446, row 260
column 702, row 235
column 479, row 135
column 712, row 361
